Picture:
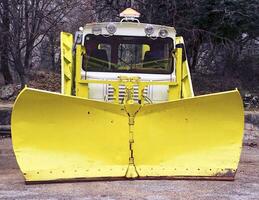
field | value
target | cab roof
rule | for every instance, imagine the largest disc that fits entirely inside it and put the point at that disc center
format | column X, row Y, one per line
column 127, row 29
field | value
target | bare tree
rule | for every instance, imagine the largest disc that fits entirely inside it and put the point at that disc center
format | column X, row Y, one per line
column 30, row 21
column 4, row 40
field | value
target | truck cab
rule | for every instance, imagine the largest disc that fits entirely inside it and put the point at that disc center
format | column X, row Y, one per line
column 127, row 48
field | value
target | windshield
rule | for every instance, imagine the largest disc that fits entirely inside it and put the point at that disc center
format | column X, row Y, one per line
column 128, row 54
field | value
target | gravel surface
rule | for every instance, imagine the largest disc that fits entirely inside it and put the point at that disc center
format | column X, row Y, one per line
column 245, row 186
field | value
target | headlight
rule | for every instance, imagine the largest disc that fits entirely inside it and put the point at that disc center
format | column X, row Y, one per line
column 149, row 29
column 163, row 33
column 111, row 28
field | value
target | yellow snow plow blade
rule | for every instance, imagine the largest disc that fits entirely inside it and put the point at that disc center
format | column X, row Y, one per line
column 58, row 137
column 63, row 137
column 197, row 137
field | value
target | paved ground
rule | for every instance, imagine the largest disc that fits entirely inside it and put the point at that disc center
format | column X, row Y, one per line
column 246, row 185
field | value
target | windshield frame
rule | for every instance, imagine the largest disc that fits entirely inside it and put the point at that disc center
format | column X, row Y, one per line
column 129, row 40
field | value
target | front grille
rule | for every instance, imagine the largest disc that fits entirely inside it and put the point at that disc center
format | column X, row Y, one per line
column 122, row 88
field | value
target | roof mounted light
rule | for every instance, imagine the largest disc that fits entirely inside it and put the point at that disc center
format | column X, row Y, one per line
column 130, row 14
column 111, row 28
column 81, row 29
column 149, row 29
column 163, row 33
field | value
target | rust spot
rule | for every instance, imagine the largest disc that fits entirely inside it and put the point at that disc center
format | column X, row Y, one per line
column 226, row 173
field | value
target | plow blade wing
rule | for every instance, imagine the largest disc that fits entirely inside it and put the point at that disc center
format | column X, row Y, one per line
column 191, row 138
column 59, row 137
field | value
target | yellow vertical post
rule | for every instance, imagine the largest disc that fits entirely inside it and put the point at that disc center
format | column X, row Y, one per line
column 187, row 90
column 175, row 90
column 81, row 88
column 186, row 81
column 67, row 65
column 179, row 62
